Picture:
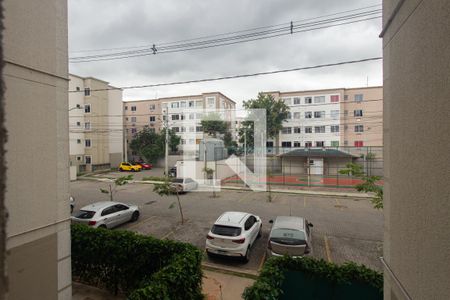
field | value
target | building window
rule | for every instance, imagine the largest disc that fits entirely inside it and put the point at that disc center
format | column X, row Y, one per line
column 334, row 128
column 288, row 115
column 334, row 98
column 286, row 144
column 88, row 159
column 199, row 128
column 359, row 144
column 334, row 114
column 345, row 112
column 175, row 117
column 133, row 119
column 183, row 104
column 152, row 119
column 345, row 97
column 308, row 100
column 78, row 141
column 287, row 101
column 191, row 104
column 133, row 108
column 191, row 129
column 308, row 144
column 319, row 114
column 78, row 123
column 152, row 106
column 297, row 100
column 87, row 125
column 308, row 114
column 87, row 92
column 183, row 129
column 191, row 116
column 359, row 97
column 359, row 128
column 286, row 130
column 297, row 115
column 126, row 107
column 297, row 145
column 319, row 99
column 319, row 129
column 297, row 130
column 176, row 129
column 320, row 144
column 175, row 105
column 78, row 158
column 87, row 143
column 199, row 116
column 334, row 143
column 358, row 113
column 182, row 117
column 308, row 129
column 87, row 108
column 211, row 102
column 133, row 130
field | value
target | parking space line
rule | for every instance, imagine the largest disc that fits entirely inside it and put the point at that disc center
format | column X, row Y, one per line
column 168, row 234
column 327, row 249
column 261, row 263
column 140, row 223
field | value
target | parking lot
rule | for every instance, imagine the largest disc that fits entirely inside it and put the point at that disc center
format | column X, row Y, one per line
column 345, row 229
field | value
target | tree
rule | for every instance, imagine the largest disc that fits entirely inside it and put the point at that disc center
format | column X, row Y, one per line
column 246, row 133
column 368, row 185
column 113, row 187
column 276, row 113
column 167, row 189
column 150, row 145
column 213, row 124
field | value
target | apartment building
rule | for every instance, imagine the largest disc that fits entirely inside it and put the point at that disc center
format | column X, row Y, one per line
column 36, row 191
column 332, row 118
column 184, row 115
column 95, row 124
column 416, row 68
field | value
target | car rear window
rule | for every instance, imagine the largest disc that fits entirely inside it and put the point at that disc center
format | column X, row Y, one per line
column 288, row 236
column 177, row 180
column 226, row 230
column 84, row 214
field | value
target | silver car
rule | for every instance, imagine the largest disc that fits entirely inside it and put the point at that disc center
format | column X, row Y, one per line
column 106, row 214
column 289, row 236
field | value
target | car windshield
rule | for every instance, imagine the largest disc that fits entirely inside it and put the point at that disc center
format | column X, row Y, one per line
column 226, row 230
column 177, row 180
column 84, row 214
column 288, row 236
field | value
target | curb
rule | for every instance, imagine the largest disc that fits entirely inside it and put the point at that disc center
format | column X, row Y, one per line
column 301, row 192
column 231, row 271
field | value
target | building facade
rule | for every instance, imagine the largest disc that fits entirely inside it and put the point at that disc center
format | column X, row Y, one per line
column 38, row 259
column 184, row 114
column 332, row 118
column 416, row 68
column 95, row 124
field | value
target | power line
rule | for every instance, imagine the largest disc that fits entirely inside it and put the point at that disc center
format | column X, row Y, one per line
column 235, row 76
column 285, row 30
column 224, row 34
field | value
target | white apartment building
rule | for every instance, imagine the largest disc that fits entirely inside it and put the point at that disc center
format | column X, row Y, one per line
column 95, row 124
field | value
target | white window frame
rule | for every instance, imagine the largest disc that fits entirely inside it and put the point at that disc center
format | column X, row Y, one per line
column 87, row 125
column 90, row 159
column 87, row 91
column 87, row 105
column 90, row 143
column 319, row 99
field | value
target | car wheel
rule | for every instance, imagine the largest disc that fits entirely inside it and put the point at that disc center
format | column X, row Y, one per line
column 135, row 216
column 103, row 226
column 247, row 255
column 259, row 232
column 71, row 209
column 120, row 170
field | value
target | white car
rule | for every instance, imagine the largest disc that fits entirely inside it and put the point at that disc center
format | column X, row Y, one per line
column 184, row 185
column 233, row 234
column 106, row 214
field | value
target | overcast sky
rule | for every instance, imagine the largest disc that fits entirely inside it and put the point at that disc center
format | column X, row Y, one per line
column 103, row 24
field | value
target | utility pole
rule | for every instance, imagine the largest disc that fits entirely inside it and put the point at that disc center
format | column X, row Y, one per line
column 125, row 146
column 245, row 156
column 166, row 124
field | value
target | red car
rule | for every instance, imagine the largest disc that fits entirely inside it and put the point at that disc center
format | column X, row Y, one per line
column 145, row 166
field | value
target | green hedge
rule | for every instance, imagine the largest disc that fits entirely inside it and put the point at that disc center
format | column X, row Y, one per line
column 139, row 266
column 338, row 280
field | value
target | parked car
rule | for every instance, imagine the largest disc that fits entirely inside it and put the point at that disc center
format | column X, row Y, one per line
column 144, row 165
column 72, row 203
column 233, row 234
column 173, row 172
column 126, row 166
column 184, row 185
column 106, row 214
column 289, row 236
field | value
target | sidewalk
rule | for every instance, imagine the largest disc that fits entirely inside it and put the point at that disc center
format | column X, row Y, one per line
column 220, row 286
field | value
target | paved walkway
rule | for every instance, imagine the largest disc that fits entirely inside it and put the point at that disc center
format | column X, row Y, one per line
column 220, row 286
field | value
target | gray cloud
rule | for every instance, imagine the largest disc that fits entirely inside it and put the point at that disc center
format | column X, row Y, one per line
column 114, row 23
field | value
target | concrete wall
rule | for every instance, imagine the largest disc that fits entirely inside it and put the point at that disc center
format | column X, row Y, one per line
column 416, row 50
column 36, row 111
column 115, row 121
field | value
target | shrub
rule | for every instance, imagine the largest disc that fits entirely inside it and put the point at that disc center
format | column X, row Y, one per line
column 139, row 266
column 270, row 281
